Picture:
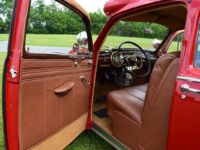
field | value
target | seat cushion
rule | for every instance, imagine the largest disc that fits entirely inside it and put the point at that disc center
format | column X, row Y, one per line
column 133, row 101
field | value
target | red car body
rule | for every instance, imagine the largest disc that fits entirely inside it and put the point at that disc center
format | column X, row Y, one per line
column 184, row 131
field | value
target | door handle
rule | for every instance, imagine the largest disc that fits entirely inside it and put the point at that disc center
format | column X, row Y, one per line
column 186, row 88
column 64, row 88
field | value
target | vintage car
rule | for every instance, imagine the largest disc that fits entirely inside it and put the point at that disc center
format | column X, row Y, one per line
column 132, row 96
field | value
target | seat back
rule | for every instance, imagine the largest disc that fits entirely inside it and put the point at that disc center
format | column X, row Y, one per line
column 158, row 102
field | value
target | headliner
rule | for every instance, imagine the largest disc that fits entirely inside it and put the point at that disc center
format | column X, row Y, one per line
column 173, row 17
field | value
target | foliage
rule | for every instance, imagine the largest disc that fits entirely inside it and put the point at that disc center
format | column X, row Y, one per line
column 6, row 8
column 2, row 26
column 98, row 20
column 50, row 19
column 54, row 19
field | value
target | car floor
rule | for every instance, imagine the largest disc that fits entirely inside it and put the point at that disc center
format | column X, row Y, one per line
column 100, row 116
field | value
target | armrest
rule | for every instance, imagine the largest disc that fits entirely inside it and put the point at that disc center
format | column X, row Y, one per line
column 64, row 88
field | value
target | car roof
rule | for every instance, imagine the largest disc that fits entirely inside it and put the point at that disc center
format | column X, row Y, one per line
column 172, row 16
column 112, row 7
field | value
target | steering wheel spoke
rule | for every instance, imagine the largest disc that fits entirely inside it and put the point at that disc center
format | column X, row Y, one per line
column 133, row 62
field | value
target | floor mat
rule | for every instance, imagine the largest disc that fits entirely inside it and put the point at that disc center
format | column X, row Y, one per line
column 100, row 99
column 102, row 113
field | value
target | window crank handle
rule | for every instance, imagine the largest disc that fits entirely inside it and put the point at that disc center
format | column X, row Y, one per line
column 84, row 80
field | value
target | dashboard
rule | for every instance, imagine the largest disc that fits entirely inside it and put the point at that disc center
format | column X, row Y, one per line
column 112, row 59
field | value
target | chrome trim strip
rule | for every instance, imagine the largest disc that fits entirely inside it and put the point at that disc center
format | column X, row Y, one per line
column 188, row 79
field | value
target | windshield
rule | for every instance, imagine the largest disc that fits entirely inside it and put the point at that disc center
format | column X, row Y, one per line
column 147, row 35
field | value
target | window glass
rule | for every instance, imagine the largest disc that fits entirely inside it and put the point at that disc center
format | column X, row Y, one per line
column 176, row 43
column 54, row 29
column 147, row 35
column 197, row 55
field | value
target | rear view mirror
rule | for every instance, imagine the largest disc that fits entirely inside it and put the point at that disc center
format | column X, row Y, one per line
column 148, row 30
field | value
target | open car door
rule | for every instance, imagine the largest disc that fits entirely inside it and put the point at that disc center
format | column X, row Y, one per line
column 45, row 95
column 184, row 125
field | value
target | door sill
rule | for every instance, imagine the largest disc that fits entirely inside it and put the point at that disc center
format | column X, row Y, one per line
column 107, row 137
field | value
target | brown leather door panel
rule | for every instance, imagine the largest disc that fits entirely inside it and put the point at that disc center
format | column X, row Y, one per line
column 80, row 95
column 42, row 112
column 31, row 107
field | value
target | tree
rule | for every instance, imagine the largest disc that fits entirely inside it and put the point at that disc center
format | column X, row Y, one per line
column 54, row 19
column 2, row 26
column 98, row 20
column 6, row 8
column 36, row 19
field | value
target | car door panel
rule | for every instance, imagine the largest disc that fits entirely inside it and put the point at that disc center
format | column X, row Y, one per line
column 35, row 115
column 184, row 122
column 42, row 112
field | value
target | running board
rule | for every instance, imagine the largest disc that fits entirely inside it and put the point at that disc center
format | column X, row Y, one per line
column 108, row 138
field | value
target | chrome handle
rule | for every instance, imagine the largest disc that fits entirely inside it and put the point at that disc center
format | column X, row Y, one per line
column 84, row 80
column 186, row 88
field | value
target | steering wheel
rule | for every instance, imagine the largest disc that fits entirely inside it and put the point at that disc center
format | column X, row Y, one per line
column 133, row 62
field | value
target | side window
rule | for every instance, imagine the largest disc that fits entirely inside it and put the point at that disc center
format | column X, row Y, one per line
column 55, row 29
column 197, row 54
column 175, row 45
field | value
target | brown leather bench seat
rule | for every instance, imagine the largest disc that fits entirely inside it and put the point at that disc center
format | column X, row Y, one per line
column 141, row 120
column 133, row 101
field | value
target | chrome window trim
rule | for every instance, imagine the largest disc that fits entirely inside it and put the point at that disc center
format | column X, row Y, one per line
column 185, row 78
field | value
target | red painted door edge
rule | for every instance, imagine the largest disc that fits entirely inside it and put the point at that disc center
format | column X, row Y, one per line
column 12, row 90
column 16, row 43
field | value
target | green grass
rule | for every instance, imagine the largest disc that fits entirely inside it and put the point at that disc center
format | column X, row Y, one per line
column 2, row 56
column 89, row 141
column 62, row 40
column 115, row 41
column 55, row 40
column 3, row 37
column 68, row 40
